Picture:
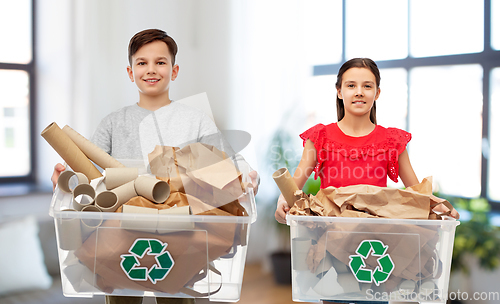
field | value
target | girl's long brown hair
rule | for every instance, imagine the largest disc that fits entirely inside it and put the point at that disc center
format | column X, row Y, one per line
column 357, row 63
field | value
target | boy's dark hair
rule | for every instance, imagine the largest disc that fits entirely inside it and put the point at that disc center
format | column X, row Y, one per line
column 357, row 63
column 147, row 36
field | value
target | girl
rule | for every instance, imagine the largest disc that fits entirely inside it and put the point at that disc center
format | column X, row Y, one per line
column 355, row 150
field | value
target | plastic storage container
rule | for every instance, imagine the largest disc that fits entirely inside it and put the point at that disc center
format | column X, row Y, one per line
column 370, row 259
column 107, row 253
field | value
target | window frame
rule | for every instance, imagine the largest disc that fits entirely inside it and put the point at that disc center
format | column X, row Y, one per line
column 29, row 179
column 488, row 59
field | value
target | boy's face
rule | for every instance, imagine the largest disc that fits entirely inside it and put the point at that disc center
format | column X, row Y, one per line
column 152, row 69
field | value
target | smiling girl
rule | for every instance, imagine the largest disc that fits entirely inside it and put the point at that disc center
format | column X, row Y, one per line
column 355, row 150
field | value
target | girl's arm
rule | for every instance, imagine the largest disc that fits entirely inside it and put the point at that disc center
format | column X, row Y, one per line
column 406, row 172
column 302, row 173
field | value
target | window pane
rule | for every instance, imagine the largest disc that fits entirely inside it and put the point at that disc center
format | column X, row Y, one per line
column 495, row 24
column 14, row 123
column 320, row 100
column 15, row 28
column 446, row 124
column 323, row 31
column 446, row 27
column 494, row 160
column 377, row 29
column 392, row 105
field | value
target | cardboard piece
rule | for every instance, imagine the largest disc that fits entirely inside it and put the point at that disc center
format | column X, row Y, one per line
column 151, row 188
column 286, row 184
column 328, row 285
column 83, row 195
column 139, row 225
column 93, row 152
column 300, row 248
column 199, row 170
column 173, row 226
column 68, row 180
column 116, row 177
column 69, row 151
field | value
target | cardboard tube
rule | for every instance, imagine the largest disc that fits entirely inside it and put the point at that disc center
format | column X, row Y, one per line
column 139, row 225
column 125, row 192
column 116, row 177
column 96, row 154
column 107, row 201
column 69, row 232
column 89, row 225
column 87, row 194
column 67, row 184
column 286, row 184
column 171, row 226
column 153, row 189
column 70, row 152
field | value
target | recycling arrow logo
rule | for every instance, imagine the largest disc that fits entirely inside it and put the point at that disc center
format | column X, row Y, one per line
column 131, row 265
column 381, row 272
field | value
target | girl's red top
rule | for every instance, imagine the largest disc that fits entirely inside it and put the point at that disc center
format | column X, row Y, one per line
column 344, row 160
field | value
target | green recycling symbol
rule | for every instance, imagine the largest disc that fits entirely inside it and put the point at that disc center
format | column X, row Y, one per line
column 381, row 272
column 131, row 265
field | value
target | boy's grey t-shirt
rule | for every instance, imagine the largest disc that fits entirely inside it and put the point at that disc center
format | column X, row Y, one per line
column 119, row 134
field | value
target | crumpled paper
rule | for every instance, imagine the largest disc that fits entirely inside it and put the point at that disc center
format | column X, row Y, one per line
column 414, row 202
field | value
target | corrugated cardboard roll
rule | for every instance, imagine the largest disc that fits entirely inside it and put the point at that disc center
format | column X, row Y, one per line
column 153, row 189
column 90, row 225
column 125, row 192
column 286, row 184
column 69, row 151
column 88, row 195
column 107, row 201
column 64, row 181
column 116, row 177
column 93, row 152
column 70, row 233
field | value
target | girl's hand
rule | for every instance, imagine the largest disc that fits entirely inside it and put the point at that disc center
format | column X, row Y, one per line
column 55, row 176
column 281, row 210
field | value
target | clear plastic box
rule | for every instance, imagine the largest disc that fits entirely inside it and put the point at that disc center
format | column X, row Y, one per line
column 208, row 251
column 370, row 259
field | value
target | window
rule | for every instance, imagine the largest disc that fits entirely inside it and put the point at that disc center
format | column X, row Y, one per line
column 440, row 69
column 16, row 91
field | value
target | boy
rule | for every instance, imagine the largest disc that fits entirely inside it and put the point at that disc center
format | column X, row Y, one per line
column 151, row 55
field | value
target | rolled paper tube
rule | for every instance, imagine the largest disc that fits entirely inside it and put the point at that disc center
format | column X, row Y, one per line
column 67, row 183
column 83, row 195
column 148, row 225
column 116, row 177
column 90, row 225
column 107, row 201
column 286, row 184
column 69, row 232
column 96, row 154
column 427, row 288
column 125, row 192
column 69, row 151
column 406, row 287
column 153, row 189
column 171, row 225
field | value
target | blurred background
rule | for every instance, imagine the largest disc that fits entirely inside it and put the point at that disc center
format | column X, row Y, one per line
column 269, row 68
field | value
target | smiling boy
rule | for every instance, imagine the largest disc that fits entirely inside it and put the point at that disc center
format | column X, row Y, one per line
column 152, row 68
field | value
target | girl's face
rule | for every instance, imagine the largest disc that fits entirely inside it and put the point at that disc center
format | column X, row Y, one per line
column 359, row 91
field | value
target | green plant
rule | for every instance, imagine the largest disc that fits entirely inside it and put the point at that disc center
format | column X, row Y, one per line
column 477, row 236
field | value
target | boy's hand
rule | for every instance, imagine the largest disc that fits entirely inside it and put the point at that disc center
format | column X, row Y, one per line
column 254, row 176
column 55, row 176
column 281, row 210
